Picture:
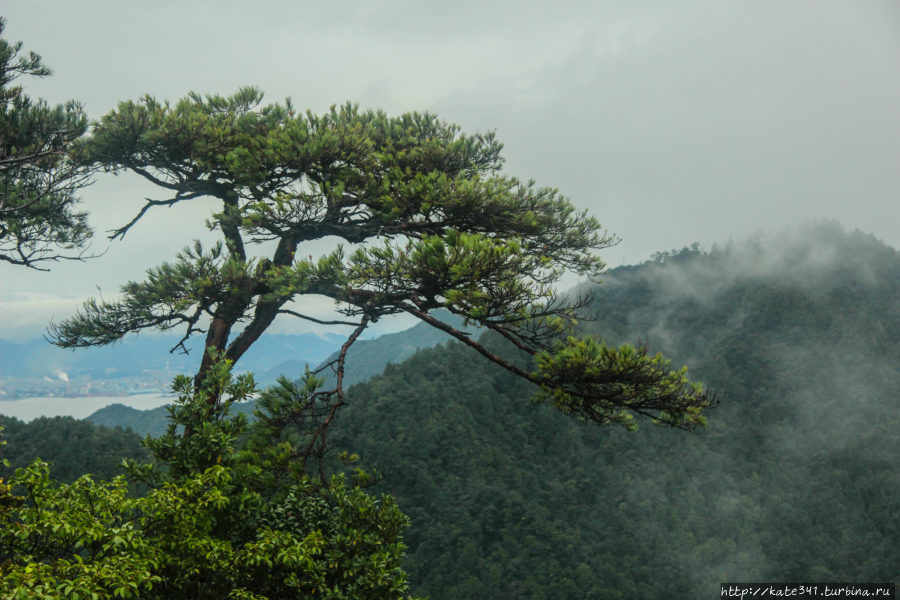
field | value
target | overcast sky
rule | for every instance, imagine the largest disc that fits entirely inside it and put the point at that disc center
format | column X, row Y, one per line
column 672, row 122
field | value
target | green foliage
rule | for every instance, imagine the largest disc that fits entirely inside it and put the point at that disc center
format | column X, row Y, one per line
column 39, row 220
column 212, row 525
column 628, row 381
column 201, row 432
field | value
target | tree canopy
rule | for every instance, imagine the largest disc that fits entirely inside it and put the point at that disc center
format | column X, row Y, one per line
column 429, row 220
column 39, row 218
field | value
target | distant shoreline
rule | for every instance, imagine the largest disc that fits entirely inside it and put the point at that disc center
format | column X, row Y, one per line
column 79, row 407
column 5, row 399
column 113, row 395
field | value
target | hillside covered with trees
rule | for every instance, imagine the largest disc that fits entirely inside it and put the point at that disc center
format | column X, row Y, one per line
column 73, row 447
column 794, row 477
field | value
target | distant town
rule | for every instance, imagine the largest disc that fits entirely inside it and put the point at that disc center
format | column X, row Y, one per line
column 14, row 388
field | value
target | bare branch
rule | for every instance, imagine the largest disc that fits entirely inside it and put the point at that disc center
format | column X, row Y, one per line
column 121, row 231
column 317, row 445
column 467, row 340
column 315, row 320
column 191, row 321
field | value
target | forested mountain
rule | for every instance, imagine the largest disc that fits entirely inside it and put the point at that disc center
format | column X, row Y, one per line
column 794, row 479
column 71, row 446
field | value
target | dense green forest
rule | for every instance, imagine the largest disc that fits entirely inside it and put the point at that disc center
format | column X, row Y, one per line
column 794, row 479
column 72, row 447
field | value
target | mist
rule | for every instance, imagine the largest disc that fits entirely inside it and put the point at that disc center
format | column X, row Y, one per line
column 795, row 332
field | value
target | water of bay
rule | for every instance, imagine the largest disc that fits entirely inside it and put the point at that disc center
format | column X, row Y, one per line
column 27, row 409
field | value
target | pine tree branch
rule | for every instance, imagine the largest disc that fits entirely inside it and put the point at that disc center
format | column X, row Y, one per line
column 315, row 320
column 121, row 231
column 466, row 339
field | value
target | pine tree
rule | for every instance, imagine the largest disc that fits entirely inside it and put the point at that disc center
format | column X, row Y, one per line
column 39, row 219
column 430, row 221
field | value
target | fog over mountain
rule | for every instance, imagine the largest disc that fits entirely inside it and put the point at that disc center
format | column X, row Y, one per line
column 794, row 478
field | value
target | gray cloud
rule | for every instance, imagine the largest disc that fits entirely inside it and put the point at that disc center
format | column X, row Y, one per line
column 671, row 122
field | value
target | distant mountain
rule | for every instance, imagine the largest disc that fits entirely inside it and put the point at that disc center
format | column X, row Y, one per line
column 143, row 422
column 274, row 349
column 133, row 356
column 142, row 354
column 364, row 359
column 367, row 358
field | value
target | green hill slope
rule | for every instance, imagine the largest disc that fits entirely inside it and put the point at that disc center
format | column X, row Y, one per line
column 795, row 479
column 71, row 446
